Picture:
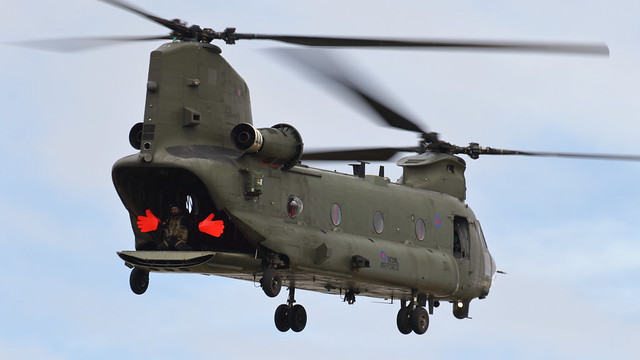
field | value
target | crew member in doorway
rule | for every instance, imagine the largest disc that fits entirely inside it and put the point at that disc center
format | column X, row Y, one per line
column 175, row 230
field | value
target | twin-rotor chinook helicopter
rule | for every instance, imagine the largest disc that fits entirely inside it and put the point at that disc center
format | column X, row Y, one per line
column 209, row 193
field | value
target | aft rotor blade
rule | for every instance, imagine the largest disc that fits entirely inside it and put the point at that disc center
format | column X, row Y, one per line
column 544, row 47
column 173, row 25
column 372, row 154
column 328, row 68
column 79, row 44
column 491, row 151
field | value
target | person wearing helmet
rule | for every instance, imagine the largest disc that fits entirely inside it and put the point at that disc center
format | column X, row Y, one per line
column 175, row 231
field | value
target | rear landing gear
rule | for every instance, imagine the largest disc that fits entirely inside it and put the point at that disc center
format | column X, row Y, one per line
column 271, row 282
column 289, row 316
column 139, row 280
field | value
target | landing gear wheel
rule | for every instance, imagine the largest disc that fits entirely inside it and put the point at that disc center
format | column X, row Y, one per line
column 297, row 318
column 271, row 282
column 281, row 318
column 419, row 320
column 139, row 280
column 404, row 325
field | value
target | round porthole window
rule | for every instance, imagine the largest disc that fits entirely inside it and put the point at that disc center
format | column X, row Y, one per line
column 378, row 222
column 336, row 214
column 294, row 206
column 421, row 229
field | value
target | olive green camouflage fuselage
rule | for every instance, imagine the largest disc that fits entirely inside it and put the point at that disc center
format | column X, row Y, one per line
column 343, row 232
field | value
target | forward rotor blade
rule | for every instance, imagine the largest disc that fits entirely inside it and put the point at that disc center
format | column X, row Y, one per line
column 543, row 47
column 326, row 67
column 491, row 151
column 390, row 116
column 79, row 44
column 372, row 154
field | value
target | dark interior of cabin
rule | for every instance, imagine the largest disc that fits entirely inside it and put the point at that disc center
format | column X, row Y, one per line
column 158, row 190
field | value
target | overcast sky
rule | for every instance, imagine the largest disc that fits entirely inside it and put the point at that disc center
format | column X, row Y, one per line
column 563, row 230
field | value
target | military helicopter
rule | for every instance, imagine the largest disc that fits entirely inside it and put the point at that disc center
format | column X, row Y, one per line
column 252, row 210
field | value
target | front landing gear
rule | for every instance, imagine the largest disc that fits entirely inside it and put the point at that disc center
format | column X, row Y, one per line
column 289, row 316
column 419, row 320
column 281, row 318
column 412, row 317
column 403, row 320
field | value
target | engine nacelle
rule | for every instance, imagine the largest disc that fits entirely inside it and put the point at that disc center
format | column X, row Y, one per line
column 279, row 145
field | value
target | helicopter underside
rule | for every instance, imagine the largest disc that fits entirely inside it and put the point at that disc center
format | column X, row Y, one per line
column 248, row 267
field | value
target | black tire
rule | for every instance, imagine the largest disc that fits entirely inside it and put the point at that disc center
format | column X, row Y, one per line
column 271, row 282
column 139, row 280
column 404, row 325
column 419, row 320
column 297, row 318
column 281, row 318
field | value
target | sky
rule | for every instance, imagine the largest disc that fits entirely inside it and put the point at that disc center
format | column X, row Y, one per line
column 563, row 230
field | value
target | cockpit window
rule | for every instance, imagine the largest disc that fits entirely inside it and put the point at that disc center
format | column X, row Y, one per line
column 461, row 243
column 481, row 235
